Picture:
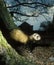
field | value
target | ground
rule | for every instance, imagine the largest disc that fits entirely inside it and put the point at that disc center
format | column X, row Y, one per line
column 40, row 55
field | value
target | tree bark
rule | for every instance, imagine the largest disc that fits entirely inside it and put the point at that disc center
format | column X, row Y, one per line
column 6, row 17
column 8, row 56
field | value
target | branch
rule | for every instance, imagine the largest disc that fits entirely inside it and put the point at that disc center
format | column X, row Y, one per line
column 24, row 4
column 24, row 14
column 29, row 4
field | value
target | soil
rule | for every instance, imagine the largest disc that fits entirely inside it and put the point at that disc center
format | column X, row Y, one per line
column 39, row 55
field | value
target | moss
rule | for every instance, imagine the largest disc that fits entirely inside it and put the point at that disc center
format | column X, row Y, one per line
column 10, row 56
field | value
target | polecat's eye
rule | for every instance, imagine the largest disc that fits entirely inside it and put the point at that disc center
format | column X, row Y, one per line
column 37, row 37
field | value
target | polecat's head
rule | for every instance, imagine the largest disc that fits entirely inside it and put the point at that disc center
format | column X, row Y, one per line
column 35, row 37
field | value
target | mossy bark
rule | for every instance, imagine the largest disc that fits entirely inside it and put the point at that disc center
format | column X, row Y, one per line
column 6, row 17
column 9, row 56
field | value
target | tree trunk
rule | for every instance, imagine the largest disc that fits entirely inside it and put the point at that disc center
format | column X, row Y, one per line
column 6, row 17
column 8, row 56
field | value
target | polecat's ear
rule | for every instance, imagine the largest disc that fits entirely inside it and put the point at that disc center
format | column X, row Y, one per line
column 18, row 35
